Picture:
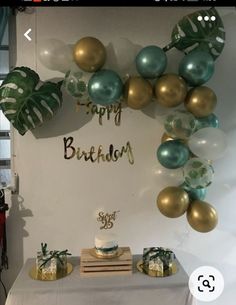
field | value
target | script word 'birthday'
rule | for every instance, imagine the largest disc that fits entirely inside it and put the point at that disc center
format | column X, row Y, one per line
column 97, row 154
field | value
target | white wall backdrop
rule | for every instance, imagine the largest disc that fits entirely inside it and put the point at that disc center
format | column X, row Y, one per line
column 59, row 198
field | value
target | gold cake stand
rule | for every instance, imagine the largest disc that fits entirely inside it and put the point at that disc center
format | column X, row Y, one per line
column 35, row 275
column 155, row 273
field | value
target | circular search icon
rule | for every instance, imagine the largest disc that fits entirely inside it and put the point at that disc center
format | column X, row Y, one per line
column 206, row 283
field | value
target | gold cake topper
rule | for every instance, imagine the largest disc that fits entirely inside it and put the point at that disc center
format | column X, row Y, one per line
column 107, row 219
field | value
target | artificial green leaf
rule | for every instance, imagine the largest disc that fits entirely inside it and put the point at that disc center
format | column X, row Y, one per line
column 190, row 33
column 26, row 102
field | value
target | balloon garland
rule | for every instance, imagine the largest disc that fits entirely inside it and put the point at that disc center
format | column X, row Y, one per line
column 192, row 137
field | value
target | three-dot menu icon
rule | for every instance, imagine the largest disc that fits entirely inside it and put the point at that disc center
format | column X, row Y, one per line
column 206, row 18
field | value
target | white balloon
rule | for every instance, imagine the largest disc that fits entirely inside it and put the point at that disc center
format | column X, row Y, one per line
column 166, row 177
column 208, row 143
column 55, row 55
column 121, row 53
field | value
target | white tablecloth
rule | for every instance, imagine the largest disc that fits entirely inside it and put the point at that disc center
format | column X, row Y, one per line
column 132, row 289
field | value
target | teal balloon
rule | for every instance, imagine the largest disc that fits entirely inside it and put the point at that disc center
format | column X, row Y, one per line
column 194, row 194
column 208, row 121
column 173, row 154
column 197, row 67
column 151, row 62
column 105, row 87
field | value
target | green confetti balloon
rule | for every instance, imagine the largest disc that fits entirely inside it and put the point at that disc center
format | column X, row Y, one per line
column 180, row 124
column 198, row 173
column 76, row 84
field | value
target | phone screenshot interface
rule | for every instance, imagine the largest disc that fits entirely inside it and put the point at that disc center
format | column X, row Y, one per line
column 117, row 153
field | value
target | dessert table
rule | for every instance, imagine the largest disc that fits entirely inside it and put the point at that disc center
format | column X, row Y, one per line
column 132, row 289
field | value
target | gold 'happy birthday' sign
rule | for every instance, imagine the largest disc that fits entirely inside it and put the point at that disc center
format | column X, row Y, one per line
column 97, row 154
column 107, row 111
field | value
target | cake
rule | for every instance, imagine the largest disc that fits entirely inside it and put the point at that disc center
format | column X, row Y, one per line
column 106, row 245
column 158, row 261
column 51, row 262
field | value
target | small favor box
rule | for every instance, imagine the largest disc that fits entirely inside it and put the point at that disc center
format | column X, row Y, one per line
column 158, row 261
column 51, row 262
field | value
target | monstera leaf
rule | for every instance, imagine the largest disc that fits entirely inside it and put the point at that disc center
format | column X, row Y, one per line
column 190, row 33
column 26, row 101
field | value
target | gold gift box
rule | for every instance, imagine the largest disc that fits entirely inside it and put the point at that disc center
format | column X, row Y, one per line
column 157, row 272
column 158, row 262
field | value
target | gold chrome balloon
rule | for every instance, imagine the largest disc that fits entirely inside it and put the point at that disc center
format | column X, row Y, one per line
column 200, row 101
column 89, row 54
column 201, row 216
column 165, row 137
column 173, row 201
column 138, row 92
column 170, row 90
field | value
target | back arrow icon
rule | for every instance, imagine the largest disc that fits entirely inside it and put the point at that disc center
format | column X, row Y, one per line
column 26, row 34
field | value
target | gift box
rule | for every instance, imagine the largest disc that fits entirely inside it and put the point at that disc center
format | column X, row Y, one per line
column 158, row 261
column 51, row 262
